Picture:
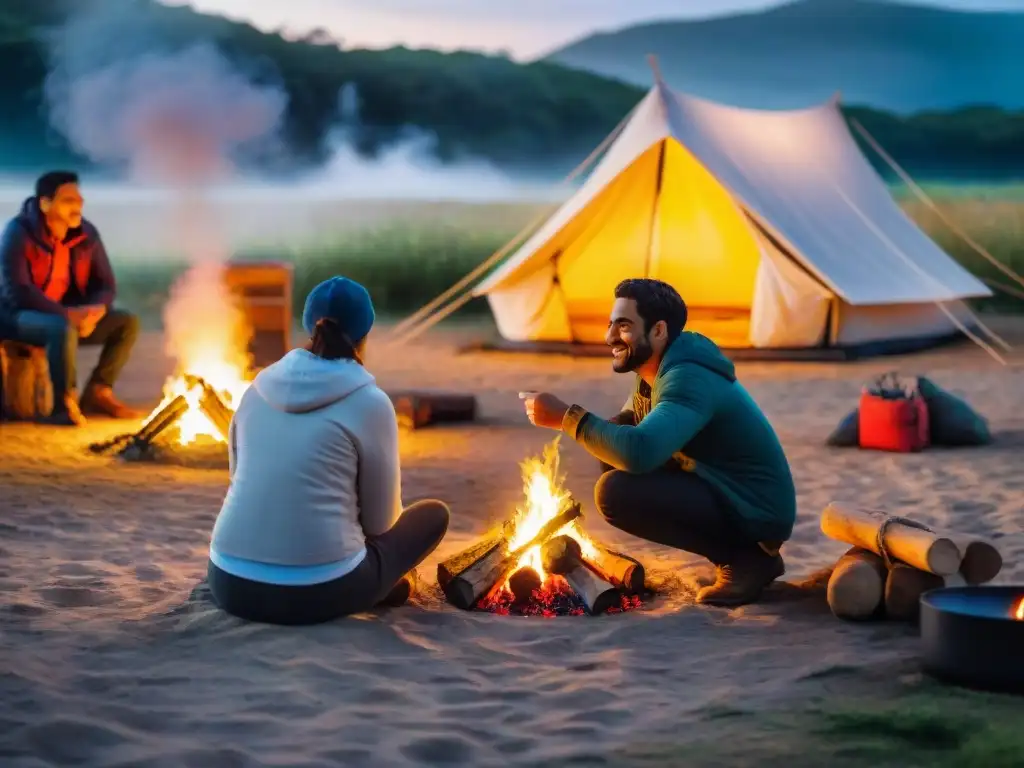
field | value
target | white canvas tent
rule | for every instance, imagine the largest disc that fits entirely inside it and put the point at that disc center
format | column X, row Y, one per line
column 773, row 226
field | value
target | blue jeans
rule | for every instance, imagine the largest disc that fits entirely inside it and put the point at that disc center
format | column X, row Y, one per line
column 117, row 332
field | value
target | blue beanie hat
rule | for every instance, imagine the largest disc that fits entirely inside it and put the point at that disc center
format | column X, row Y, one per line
column 345, row 302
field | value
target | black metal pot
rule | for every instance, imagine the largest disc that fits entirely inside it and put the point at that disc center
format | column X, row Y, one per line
column 971, row 637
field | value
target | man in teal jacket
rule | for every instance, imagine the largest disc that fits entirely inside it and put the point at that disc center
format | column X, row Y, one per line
column 691, row 461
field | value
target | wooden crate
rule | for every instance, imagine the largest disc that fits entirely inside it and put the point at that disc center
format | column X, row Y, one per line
column 264, row 291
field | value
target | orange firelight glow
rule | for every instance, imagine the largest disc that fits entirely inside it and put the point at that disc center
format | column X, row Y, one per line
column 207, row 334
column 1019, row 613
column 544, row 497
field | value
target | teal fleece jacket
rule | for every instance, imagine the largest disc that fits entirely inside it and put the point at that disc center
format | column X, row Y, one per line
column 703, row 419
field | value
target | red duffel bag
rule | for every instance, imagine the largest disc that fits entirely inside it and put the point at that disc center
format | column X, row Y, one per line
column 893, row 416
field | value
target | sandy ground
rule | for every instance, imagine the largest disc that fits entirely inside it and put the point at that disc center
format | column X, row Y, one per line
column 108, row 659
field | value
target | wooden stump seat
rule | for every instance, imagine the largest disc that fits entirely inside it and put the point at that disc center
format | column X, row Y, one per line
column 26, row 391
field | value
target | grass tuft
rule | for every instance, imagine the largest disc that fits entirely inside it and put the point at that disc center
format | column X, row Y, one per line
column 410, row 256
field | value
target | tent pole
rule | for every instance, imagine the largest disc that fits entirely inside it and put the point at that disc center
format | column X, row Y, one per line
column 651, row 237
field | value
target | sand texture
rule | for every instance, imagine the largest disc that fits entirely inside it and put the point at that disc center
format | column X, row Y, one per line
column 110, row 655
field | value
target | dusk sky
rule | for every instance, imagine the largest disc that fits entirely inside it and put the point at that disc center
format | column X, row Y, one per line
column 526, row 28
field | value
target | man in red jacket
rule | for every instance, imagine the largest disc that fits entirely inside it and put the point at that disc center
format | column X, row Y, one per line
column 57, row 291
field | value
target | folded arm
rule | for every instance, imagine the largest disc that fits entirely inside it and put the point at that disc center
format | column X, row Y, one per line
column 16, row 275
column 686, row 403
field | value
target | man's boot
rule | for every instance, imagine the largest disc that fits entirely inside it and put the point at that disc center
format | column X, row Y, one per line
column 66, row 412
column 99, row 399
column 744, row 579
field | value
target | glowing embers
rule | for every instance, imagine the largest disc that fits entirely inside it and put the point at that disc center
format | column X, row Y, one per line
column 540, row 561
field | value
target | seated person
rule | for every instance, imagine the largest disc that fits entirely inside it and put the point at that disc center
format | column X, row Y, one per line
column 312, row 526
column 691, row 462
column 57, row 291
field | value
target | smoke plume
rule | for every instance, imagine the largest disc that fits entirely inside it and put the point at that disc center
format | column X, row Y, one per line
column 176, row 119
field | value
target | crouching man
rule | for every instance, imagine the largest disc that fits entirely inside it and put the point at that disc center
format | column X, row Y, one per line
column 691, row 461
column 57, row 291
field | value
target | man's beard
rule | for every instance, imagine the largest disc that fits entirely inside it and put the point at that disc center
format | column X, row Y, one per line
column 635, row 356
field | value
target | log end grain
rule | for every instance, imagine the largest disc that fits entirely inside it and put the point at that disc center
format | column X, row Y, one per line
column 605, row 601
column 981, row 562
column 560, row 554
column 459, row 593
column 857, row 585
column 523, row 583
column 904, row 586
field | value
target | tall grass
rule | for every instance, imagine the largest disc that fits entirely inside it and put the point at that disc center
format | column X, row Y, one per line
column 411, row 254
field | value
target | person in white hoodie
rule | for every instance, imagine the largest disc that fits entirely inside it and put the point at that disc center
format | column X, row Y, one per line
column 312, row 527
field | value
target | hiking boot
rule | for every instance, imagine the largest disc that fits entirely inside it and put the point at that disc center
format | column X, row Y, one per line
column 742, row 581
column 66, row 413
column 100, row 400
column 402, row 591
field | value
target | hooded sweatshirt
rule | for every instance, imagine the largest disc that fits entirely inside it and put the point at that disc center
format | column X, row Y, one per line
column 314, row 470
column 702, row 419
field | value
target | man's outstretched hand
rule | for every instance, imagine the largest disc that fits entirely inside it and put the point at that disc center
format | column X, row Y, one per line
column 544, row 409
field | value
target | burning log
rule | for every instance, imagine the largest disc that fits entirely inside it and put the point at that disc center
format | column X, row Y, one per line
column 490, row 569
column 150, row 430
column 460, row 561
column 624, row 572
column 214, row 409
column 523, row 583
column 562, row 555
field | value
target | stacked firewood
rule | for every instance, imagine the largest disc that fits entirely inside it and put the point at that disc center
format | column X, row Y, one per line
column 140, row 444
column 599, row 577
column 894, row 560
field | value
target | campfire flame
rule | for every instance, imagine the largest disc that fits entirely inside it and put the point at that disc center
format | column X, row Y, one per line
column 544, row 497
column 1019, row 613
column 207, row 335
column 225, row 379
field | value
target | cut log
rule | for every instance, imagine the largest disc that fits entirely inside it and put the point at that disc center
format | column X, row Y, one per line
column 980, row 560
column 160, row 421
column 857, row 585
column 473, row 582
column 624, row 572
column 451, row 567
column 561, row 555
column 215, row 410
column 903, row 589
column 924, row 550
column 523, row 582
column 416, row 409
column 27, row 387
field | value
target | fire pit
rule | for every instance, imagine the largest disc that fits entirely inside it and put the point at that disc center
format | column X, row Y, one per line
column 972, row 636
column 540, row 561
column 192, row 409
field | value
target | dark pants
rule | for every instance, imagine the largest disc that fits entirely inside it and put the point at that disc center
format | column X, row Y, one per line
column 117, row 332
column 674, row 508
column 388, row 558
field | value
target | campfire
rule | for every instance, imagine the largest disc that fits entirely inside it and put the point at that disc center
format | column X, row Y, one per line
column 1019, row 612
column 207, row 335
column 540, row 561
